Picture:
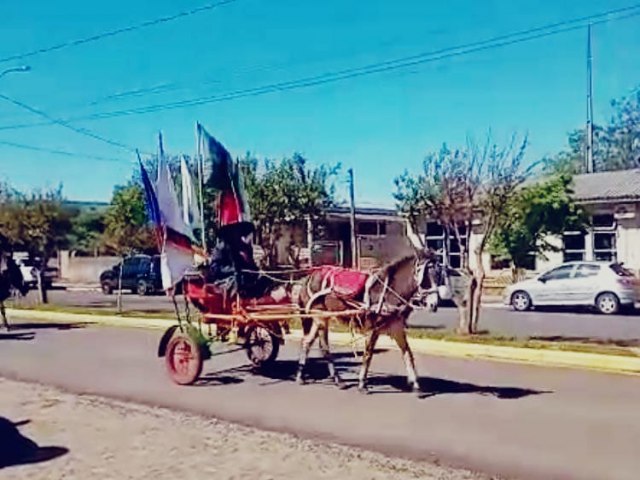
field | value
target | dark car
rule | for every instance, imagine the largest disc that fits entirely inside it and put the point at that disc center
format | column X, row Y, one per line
column 140, row 274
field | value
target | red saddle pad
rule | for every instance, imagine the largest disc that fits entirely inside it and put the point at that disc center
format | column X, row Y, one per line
column 347, row 283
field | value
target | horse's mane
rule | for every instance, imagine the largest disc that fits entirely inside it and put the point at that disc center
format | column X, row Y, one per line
column 391, row 268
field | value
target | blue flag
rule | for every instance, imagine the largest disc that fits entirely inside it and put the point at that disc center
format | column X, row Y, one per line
column 151, row 201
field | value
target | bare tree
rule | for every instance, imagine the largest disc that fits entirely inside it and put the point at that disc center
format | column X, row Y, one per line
column 466, row 190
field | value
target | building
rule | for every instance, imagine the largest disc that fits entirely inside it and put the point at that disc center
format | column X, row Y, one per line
column 381, row 235
column 612, row 202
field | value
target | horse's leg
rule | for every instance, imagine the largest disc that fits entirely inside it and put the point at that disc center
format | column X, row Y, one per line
column 369, row 347
column 307, row 323
column 3, row 314
column 324, row 346
column 398, row 332
column 305, row 346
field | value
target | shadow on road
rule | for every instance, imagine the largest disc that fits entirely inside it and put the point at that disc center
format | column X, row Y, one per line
column 432, row 387
column 16, row 449
column 50, row 326
column 317, row 371
column 617, row 342
column 17, row 335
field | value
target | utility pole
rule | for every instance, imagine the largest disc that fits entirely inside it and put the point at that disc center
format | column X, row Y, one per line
column 589, row 133
column 352, row 198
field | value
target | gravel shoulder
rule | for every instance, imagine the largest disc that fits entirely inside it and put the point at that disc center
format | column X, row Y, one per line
column 108, row 439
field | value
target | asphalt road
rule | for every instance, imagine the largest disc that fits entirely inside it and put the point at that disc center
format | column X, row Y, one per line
column 507, row 420
column 623, row 330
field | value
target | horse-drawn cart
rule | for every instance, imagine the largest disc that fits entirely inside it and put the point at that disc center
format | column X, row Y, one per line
column 253, row 325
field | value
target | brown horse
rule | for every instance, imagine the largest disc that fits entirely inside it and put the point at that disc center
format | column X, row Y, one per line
column 382, row 300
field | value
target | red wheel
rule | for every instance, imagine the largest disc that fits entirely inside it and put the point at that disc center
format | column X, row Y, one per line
column 183, row 359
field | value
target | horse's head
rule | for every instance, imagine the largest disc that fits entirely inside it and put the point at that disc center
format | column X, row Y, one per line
column 426, row 276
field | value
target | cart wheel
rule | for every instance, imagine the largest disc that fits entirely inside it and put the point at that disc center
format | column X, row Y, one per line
column 183, row 360
column 262, row 346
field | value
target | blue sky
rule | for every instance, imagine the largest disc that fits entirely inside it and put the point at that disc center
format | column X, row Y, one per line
column 379, row 124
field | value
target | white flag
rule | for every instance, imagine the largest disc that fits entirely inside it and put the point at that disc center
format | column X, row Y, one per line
column 190, row 207
column 177, row 254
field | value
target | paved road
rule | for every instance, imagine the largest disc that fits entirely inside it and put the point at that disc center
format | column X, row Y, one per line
column 623, row 330
column 514, row 421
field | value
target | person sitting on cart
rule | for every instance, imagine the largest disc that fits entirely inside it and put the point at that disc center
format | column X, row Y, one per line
column 233, row 259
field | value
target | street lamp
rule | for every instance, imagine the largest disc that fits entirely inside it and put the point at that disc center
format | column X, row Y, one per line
column 23, row 68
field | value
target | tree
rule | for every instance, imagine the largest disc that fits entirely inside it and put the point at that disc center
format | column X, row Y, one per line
column 87, row 232
column 616, row 145
column 126, row 227
column 536, row 213
column 38, row 223
column 287, row 192
column 465, row 190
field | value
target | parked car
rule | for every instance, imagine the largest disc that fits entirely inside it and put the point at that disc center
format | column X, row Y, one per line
column 140, row 274
column 607, row 286
column 29, row 270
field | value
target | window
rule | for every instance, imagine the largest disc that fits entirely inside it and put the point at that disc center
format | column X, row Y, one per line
column 574, row 246
column 604, row 238
column 372, row 229
column 560, row 273
column 445, row 245
column 499, row 263
column 603, row 221
column 587, row 270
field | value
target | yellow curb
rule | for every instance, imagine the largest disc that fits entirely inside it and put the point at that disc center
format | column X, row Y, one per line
column 539, row 357
column 111, row 320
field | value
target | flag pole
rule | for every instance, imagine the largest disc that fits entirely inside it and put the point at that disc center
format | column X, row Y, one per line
column 200, row 161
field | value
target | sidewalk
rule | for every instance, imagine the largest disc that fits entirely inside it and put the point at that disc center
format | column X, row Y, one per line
column 76, row 287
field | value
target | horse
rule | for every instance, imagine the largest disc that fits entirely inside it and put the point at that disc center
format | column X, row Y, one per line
column 382, row 301
column 433, row 277
column 10, row 278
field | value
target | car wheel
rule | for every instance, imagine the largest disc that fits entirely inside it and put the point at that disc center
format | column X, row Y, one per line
column 143, row 288
column 107, row 289
column 608, row 303
column 520, row 301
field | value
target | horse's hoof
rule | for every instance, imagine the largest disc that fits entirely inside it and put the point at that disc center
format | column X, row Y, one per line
column 363, row 389
column 339, row 383
column 300, row 381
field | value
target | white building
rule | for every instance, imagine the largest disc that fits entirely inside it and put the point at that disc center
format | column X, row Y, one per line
column 612, row 201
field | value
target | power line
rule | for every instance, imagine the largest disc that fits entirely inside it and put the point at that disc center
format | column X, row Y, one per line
column 62, row 123
column 60, row 152
column 379, row 67
column 118, row 31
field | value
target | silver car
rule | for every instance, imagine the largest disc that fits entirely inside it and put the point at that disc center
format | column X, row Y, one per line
column 605, row 285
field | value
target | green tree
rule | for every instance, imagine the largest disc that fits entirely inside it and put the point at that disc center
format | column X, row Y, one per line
column 38, row 223
column 87, row 232
column 286, row 192
column 536, row 213
column 466, row 191
column 616, row 144
column 126, row 228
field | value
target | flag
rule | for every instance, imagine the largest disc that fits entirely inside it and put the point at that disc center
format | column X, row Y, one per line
column 151, row 201
column 190, row 207
column 221, row 173
column 217, row 164
column 177, row 255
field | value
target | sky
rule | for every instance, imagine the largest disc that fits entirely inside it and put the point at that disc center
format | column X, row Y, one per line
column 379, row 125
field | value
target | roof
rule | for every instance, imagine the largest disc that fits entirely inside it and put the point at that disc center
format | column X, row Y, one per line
column 604, row 186
column 365, row 212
